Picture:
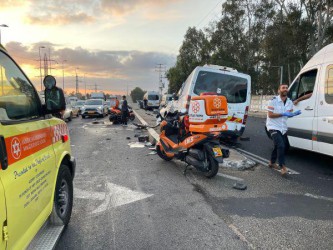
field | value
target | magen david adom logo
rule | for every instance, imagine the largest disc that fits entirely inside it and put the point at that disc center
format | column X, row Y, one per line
column 16, row 148
column 195, row 107
column 217, row 103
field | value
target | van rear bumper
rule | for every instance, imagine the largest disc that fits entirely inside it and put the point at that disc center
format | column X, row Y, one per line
column 232, row 134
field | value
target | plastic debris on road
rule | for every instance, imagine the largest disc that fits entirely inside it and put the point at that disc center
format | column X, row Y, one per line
column 240, row 186
column 136, row 145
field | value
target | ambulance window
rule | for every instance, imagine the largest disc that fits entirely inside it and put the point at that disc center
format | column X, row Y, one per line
column 307, row 83
column 329, row 85
column 18, row 98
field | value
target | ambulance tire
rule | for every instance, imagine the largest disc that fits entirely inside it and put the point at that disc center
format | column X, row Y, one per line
column 214, row 167
column 63, row 197
column 161, row 154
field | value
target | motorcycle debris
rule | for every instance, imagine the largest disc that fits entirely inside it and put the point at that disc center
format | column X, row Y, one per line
column 153, row 149
column 152, row 153
column 148, row 144
column 136, row 135
column 240, row 186
column 128, row 138
column 143, row 138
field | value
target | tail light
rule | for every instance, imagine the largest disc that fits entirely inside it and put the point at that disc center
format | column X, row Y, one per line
column 187, row 106
column 64, row 138
column 186, row 120
column 246, row 115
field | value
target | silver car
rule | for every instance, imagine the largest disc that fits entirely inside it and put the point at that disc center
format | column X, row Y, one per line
column 94, row 107
column 68, row 114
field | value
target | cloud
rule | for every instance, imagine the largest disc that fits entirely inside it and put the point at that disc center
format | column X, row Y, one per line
column 60, row 12
column 112, row 70
column 122, row 7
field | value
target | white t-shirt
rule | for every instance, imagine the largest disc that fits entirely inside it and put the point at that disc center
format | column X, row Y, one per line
column 277, row 106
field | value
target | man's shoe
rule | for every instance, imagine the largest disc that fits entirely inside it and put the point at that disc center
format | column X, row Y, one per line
column 284, row 170
column 274, row 166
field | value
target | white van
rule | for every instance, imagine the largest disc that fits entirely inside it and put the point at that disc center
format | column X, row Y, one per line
column 165, row 100
column 153, row 99
column 313, row 129
column 235, row 86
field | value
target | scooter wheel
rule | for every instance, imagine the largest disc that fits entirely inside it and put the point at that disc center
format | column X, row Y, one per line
column 161, row 154
column 213, row 167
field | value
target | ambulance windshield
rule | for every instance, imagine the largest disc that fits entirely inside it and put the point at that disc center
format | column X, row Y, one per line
column 234, row 88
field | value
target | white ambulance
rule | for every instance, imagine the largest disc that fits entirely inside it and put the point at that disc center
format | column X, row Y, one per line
column 220, row 80
column 313, row 129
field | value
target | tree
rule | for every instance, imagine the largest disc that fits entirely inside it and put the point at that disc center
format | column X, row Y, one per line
column 137, row 94
column 193, row 52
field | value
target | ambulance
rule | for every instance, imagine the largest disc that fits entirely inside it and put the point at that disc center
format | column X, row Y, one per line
column 36, row 164
column 313, row 129
column 220, row 80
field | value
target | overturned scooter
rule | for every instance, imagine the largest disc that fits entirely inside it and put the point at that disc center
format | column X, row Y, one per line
column 193, row 136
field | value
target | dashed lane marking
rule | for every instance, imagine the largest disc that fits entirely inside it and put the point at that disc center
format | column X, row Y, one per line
column 319, row 197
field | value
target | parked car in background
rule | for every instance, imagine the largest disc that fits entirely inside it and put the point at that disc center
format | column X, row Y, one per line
column 98, row 95
column 108, row 105
column 79, row 104
column 75, row 110
column 68, row 114
column 94, row 107
column 165, row 100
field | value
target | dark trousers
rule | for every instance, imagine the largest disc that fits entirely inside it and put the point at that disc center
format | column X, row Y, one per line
column 281, row 145
column 124, row 115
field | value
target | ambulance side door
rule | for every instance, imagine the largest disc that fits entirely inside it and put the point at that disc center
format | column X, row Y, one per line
column 324, row 119
column 28, row 178
column 300, row 128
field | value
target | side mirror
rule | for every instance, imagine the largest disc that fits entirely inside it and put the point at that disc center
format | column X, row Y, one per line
column 54, row 96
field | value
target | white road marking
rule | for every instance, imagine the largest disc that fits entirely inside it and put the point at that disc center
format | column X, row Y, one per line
column 230, row 177
column 319, row 197
column 263, row 161
column 114, row 196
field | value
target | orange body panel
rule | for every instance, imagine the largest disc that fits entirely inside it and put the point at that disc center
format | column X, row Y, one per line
column 214, row 104
column 204, row 128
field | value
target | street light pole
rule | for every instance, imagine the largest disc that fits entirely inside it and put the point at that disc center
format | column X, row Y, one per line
column 63, row 75
column 4, row 26
column 40, row 68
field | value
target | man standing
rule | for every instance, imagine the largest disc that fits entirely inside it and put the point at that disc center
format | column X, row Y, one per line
column 124, row 111
column 280, row 108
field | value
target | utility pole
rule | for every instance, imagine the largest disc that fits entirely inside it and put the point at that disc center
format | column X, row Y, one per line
column 76, row 82
column 160, row 68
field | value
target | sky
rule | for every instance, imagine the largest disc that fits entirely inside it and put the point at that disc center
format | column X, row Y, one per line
column 114, row 44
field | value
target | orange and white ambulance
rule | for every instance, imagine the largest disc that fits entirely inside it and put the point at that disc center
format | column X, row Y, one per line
column 37, row 167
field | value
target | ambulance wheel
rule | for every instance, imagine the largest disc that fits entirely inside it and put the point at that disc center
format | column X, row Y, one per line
column 213, row 167
column 63, row 197
column 161, row 154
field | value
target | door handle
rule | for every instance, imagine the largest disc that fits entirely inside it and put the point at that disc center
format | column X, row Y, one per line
column 308, row 108
column 3, row 154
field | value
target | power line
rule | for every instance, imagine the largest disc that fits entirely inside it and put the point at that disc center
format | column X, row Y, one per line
column 209, row 13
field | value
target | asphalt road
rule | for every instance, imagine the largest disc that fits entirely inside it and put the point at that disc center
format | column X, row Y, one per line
column 128, row 199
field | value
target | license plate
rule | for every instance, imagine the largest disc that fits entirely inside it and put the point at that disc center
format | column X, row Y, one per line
column 217, row 152
column 91, row 112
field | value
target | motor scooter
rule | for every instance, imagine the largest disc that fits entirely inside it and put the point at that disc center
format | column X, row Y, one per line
column 192, row 135
column 115, row 115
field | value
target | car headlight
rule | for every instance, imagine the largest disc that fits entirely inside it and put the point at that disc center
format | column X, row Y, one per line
column 99, row 108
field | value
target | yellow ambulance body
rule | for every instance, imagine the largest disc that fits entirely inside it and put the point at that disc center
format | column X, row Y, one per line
column 37, row 168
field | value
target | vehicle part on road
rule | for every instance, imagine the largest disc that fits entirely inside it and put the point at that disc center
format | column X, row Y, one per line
column 194, row 137
column 240, row 186
column 143, row 138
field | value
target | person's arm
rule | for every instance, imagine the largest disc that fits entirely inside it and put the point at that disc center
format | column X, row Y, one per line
column 273, row 115
column 302, row 98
